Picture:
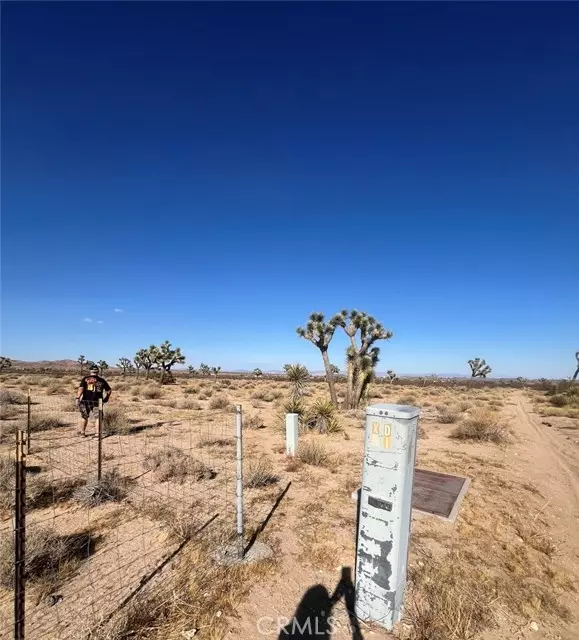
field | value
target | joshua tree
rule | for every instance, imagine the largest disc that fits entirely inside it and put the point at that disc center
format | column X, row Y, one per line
column 320, row 334
column 124, row 364
column 204, row 369
column 391, row 376
column 82, row 361
column 102, row 365
column 422, row 379
column 521, row 381
column 576, row 370
column 361, row 358
column 147, row 358
column 215, row 371
column 192, row 371
column 335, row 370
column 297, row 374
column 5, row 363
column 479, row 368
column 257, row 372
column 167, row 357
column 138, row 361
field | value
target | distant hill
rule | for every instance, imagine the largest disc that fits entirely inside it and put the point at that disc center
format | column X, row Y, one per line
column 45, row 364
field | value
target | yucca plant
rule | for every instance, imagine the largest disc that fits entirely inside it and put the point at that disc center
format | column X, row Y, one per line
column 297, row 374
column 321, row 416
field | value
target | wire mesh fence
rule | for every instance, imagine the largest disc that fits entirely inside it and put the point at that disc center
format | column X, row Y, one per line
column 107, row 510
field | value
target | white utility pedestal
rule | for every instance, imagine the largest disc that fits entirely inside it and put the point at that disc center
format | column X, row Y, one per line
column 292, row 424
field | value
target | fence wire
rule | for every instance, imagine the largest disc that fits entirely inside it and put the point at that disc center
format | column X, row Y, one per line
column 92, row 543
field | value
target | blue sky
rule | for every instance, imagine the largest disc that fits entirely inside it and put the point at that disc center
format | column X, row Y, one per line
column 218, row 171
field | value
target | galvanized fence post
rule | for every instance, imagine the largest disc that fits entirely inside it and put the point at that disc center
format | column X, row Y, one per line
column 19, row 537
column 100, row 441
column 28, row 416
column 239, row 485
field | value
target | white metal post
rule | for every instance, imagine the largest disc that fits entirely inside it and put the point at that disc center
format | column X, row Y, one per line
column 291, row 433
column 239, row 485
column 385, row 512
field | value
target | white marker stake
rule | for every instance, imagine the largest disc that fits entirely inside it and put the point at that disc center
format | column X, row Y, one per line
column 291, row 433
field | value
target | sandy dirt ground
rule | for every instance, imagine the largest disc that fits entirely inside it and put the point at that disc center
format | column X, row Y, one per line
column 509, row 565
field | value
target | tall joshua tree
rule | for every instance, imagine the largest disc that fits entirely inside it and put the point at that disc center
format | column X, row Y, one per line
column 390, row 376
column 82, row 361
column 576, row 370
column 147, row 359
column 5, row 363
column 102, row 365
column 167, row 357
column 361, row 356
column 479, row 368
column 320, row 334
column 124, row 364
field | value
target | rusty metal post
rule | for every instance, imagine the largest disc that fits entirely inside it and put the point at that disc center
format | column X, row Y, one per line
column 20, row 537
column 100, row 440
column 28, row 423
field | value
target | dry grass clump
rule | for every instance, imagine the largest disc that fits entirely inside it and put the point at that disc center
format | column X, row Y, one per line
column 321, row 416
column 115, row 420
column 190, row 390
column 189, row 405
column 112, row 488
column 209, row 440
column 42, row 491
column 462, row 406
column 219, row 402
column 313, row 453
column 8, row 411
column 407, row 399
column 172, row 464
column 7, row 396
column 7, row 480
column 49, row 556
column 451, row 598
column 152, row 392
column 260, row 473
column 266, row 396
column 483, row 425
column 559, row 400
column 447, row 415
column 55, row 389
column 253, row 421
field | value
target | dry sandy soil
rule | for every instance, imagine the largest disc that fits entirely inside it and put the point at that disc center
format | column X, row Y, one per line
column 507, row 568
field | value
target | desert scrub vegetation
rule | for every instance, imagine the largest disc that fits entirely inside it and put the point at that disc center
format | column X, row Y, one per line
column 189, row 405
column 50, row 557
column 483, row 425
column 115, row 421
column 7, row 479
column 7, row 396
column 313, row 453
column 321, row 417
column 172, row 464
column 407, row 399
column 447, row 415
column 220, row 402
column 253, row 421
column 260, row 473
column 152, row 392
column 113, row 487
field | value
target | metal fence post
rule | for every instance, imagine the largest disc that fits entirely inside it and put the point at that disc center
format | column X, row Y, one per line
column 19, row 537
column 100, row 441
column 239, row 485
column 28, row 423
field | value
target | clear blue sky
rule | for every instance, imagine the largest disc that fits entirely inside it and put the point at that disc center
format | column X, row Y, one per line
column 217, row 171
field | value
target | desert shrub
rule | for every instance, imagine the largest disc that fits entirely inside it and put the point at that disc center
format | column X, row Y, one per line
column 190, row 390
column 45, row 491
column 47, row 554
column 190, row 405
column 406, row 399
column 219, row 402
column 136, row 391
column 7, row 479
column 112, row 488
column 559, row 400
column 321, row 416
column 266, row 396
column 253, row 421
column 171, row 404
column 482, row 424
column 43, row 423
column 115, row 420
column 462, row 406
column 54, row 389
column 313, row 453
column 152, row 392
column 260, row 473
column 447, row 415
column 172, row 464
column 8, row 411
column 7, row 396
column 208, row 440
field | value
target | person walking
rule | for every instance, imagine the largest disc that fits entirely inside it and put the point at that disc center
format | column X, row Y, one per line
column 92, row 388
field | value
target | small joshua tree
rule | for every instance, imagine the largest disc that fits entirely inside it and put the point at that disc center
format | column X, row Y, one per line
column 215, row 371
column 5, row 363
column 192, row 371
column 82, row 361
column 138, row 362
column 320, row 334
column 297, row 374
column 167, row 357
column 147, row 359
column 390, row 376
column 257, row 373
column 102, row 365
column 576, row 370
column 479, row 368
column 335, row 370
column 204, row 369
column 124, row 364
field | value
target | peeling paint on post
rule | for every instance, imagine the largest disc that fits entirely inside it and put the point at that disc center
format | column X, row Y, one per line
column 385, row 511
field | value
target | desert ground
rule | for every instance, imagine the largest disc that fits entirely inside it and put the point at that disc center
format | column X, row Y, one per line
column 507, row 568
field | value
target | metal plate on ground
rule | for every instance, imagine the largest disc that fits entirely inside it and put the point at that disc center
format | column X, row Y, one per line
column 436, row 494
column 439, row 494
